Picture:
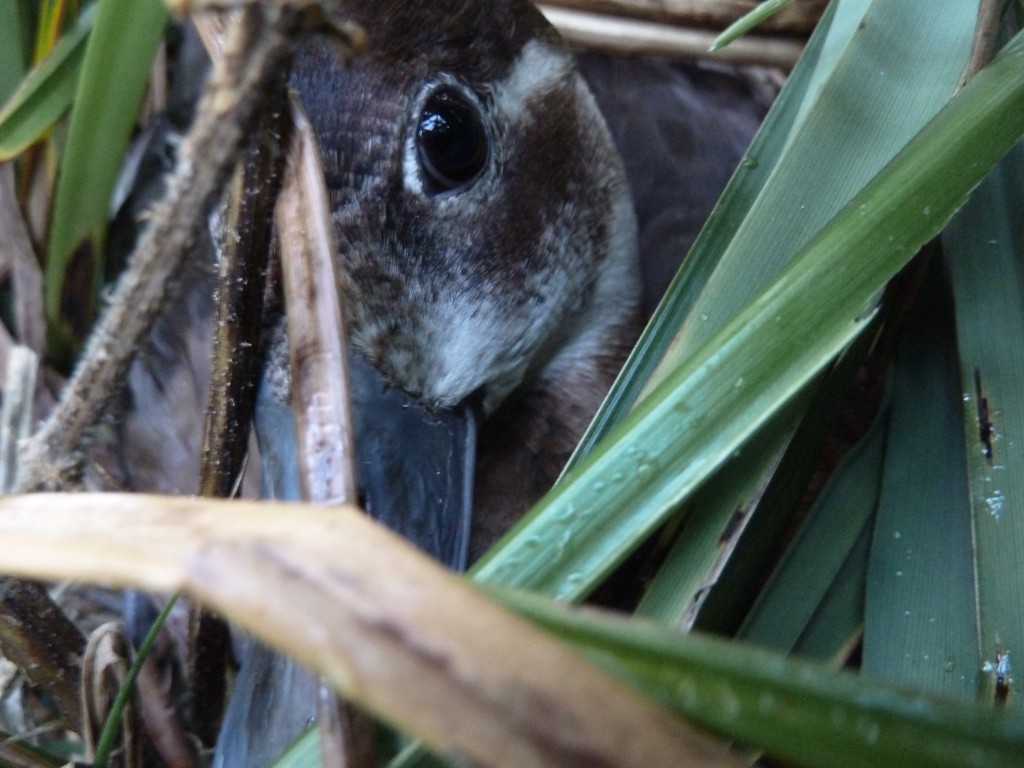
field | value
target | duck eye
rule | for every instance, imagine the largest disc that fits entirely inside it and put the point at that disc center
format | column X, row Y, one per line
column 451, row 142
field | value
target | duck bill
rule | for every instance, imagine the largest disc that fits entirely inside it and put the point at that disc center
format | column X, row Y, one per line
column 414, row 465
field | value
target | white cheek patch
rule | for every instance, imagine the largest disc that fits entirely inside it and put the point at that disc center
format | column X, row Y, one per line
column 539, row 69
column 478, row 340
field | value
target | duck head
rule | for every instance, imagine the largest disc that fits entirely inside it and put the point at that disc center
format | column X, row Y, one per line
column 486, row 247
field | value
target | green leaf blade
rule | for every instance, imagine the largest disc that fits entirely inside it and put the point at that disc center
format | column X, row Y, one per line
column 748, row 22
column 46, row 93
column 983, row 245
column 795, row 710
column 115, row 71
column 13, row 56
column 897, row 71
column 919, row 605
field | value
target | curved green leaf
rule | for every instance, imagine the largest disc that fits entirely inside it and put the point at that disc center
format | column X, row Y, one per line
column 749, row 21
column 115, row 71
column 12, row 47
column 795, row 710
column 46, row 93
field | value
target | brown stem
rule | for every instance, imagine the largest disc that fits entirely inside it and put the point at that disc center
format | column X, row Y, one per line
column 984, row 43
column 38, row 637
column 243, row 265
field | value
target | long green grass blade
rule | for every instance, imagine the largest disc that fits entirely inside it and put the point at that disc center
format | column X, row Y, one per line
column 899, row 69
column 984, row 246
column 113, row 79
column 718, row 515
column 919, row 607
column 748, row 22
column 835, row 629
column 798, row 587
column 13, row 57
column 795, row 710
column 719, row 396
column 47, row 91
column 112, row 725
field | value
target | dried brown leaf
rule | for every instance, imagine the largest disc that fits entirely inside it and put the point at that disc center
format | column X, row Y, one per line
column 392, row 630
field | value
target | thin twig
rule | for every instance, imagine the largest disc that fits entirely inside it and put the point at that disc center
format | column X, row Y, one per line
column 984, row 43
column 244, row 242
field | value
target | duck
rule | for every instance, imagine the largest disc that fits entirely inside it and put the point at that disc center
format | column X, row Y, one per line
column 488, row 267
column 488, row 237
column 487, row 226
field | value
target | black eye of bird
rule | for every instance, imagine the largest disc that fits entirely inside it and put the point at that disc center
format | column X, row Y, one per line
column 451, row 142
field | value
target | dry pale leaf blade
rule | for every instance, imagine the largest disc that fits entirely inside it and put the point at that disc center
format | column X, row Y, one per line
column 320, row 389
column 391, row 630
column 316, row 331
column 598, row 31
column 798, row 18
